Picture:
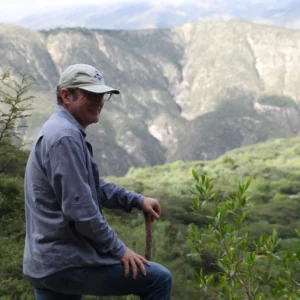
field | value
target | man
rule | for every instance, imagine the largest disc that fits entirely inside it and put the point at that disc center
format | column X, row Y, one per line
column 70, row 250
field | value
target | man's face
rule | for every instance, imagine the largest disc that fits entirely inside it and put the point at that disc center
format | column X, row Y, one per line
column 84, row 106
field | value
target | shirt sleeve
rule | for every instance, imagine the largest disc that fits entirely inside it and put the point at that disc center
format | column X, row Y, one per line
column 67, row 173
column 113, row 196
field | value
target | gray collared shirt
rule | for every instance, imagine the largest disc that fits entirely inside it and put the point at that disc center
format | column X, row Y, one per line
column 63, row 199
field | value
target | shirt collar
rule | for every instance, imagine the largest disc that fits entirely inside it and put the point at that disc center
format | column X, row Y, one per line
column 61, row 111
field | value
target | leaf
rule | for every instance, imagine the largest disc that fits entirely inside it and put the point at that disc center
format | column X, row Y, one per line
column 200, row 189
column 297, row 232
column 192, row 191
column 207, row 183
column 216, row 198
column 195, row 174
column 248, row 183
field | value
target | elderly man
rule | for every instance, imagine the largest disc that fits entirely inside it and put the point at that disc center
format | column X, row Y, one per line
column 70, row 249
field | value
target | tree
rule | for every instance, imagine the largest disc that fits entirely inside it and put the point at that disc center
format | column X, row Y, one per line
column 15, row 104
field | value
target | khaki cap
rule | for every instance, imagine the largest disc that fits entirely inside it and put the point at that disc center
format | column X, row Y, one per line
column 84, row 77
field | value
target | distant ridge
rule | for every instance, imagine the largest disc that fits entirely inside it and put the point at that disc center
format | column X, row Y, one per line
column 187, row 93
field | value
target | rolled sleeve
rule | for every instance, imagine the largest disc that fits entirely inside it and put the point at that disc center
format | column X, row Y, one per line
column 67, row 173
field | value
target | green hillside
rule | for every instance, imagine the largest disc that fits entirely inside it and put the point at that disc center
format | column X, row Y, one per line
column 275, row 193
column 274, row 167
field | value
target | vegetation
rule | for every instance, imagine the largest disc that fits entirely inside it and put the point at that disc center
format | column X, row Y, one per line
column 274, row 192
column 15, row 105
column 271, row 219
column 234, row 264
column 273, row 208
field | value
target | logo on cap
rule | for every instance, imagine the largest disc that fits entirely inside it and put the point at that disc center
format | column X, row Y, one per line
column 98, row 76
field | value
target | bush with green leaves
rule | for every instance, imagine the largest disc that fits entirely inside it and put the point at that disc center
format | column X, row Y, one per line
column 234, row 264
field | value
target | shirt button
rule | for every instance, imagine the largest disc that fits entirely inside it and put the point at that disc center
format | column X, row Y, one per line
column 77, row 199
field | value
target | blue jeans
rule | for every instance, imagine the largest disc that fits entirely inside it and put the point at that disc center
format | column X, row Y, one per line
column 72, row 283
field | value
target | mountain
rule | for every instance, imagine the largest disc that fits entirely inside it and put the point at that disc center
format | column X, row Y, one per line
column 187, row 93
column 140, row 14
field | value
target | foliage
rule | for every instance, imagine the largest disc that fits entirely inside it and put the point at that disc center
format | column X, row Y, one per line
column 12, row 234
column 235, row 265
column 15, row 104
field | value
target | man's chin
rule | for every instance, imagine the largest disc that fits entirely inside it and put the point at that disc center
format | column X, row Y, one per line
column 96, row 120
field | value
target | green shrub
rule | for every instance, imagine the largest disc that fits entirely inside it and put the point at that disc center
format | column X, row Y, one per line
column 235, row 264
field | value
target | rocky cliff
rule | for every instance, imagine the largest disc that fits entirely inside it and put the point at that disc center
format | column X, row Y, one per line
column 187, row 93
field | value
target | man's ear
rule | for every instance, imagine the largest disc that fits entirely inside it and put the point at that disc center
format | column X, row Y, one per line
column 65, row 95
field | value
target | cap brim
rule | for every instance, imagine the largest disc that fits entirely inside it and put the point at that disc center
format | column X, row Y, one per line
column 99, row 89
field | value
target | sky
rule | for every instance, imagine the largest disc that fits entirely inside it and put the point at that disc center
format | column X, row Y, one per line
column 14, row 10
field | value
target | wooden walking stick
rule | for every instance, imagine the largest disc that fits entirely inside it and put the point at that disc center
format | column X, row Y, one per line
column 148, row 235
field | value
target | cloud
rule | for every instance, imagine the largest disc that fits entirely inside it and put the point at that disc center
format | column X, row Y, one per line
column 13, row 10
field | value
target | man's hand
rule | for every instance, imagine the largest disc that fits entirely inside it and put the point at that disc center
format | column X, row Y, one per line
column 133, row 260
column 151, row 206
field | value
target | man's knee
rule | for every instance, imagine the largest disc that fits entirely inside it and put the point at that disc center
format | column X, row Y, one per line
column 161, row 282
column 166, row 275
column 162, row 273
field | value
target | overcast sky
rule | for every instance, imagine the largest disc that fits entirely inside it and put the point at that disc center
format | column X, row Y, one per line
column 14, row 10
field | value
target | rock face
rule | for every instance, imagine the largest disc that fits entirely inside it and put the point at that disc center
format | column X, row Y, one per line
column 187, row 93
